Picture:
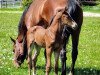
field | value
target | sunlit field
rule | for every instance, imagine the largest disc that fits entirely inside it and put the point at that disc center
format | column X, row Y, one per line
column 88, row 61
column 95, row 9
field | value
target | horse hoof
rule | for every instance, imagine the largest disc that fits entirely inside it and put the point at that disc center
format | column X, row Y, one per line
column 70, row 73
column 17, row 65
column 34, row 73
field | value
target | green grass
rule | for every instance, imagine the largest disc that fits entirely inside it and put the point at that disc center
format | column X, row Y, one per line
column 95, row 9
column 11, row 9
column 88, row 62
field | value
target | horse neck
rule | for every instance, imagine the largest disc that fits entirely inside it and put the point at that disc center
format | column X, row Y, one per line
column 21, row 26
column 72, row 6
column 56, row 28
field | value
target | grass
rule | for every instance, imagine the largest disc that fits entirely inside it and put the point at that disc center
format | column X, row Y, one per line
column 11, row 9
column 88, row 62
column 95, row 9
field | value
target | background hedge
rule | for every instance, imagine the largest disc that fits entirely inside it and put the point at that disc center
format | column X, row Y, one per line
column 26, row 2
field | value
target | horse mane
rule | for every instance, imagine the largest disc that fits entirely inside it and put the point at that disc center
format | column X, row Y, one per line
column 21, row 27
column 72, row 9
column 25, row 49
column 72, row 5
column 21, row 22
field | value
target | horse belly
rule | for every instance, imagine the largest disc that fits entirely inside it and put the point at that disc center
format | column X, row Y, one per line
column 39, row 37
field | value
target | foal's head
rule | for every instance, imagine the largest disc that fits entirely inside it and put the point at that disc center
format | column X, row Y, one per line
column 19, row 54
column 67, row 20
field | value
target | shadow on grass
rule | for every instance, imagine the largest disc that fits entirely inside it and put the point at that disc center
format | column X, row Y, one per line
column 78, row 71
column 85, row 71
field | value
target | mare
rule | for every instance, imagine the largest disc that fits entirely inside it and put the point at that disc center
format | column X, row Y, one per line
column 38, row 37
column 40, row 12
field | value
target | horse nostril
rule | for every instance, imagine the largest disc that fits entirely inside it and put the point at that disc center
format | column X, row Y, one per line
column 74, row 26
column 21, row 54
column 19, row 51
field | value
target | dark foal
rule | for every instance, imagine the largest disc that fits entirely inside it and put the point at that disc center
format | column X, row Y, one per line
column 75, row 11
column 38, row 37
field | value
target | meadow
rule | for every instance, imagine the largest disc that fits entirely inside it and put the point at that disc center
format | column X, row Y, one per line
column 88, row 62
column 95, row 9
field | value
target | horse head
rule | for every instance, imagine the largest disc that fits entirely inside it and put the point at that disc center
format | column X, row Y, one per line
column 67, row 20
column 19, row 53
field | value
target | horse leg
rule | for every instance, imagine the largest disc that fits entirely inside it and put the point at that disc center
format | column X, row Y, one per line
column 29, row 59
column 34, row 58
column 48, row 64
column 63, row 55
column 45, row 57
column 75, row 40
column 56, row 55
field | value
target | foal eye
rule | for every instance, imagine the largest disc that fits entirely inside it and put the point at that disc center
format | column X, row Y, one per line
column 66, row 16
column 59, row 10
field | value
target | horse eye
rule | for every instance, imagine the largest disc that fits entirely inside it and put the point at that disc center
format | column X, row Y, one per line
column 66, row 16
column 59, row 10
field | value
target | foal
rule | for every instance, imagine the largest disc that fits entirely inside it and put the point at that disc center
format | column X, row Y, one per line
column 51, row 39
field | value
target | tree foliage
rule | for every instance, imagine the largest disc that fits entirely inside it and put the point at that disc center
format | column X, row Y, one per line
column 26, row 2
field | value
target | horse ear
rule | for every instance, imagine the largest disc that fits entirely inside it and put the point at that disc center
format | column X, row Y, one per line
column 12, row 40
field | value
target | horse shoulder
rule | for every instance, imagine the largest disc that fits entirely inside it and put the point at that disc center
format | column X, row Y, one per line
column 33, row 15
column 47, row 11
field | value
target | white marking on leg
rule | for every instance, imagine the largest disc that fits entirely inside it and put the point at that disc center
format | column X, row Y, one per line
column 70, row 73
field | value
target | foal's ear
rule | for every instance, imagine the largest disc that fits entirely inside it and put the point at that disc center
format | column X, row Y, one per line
column 12, row 40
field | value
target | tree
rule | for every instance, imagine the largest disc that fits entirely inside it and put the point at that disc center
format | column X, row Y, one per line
column 26, row 2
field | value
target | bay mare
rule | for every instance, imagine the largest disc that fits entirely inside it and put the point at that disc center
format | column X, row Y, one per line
column 40, row 12
column 75, row 12
column 38, row 37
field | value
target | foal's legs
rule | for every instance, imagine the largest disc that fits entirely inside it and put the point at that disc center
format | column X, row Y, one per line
column 45, row 57
column 48, row 64
column 34, row 58
column 56, row 54
column 29, row 58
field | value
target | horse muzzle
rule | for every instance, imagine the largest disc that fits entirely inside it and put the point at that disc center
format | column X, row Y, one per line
column 16, row 64
column 74, row 26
